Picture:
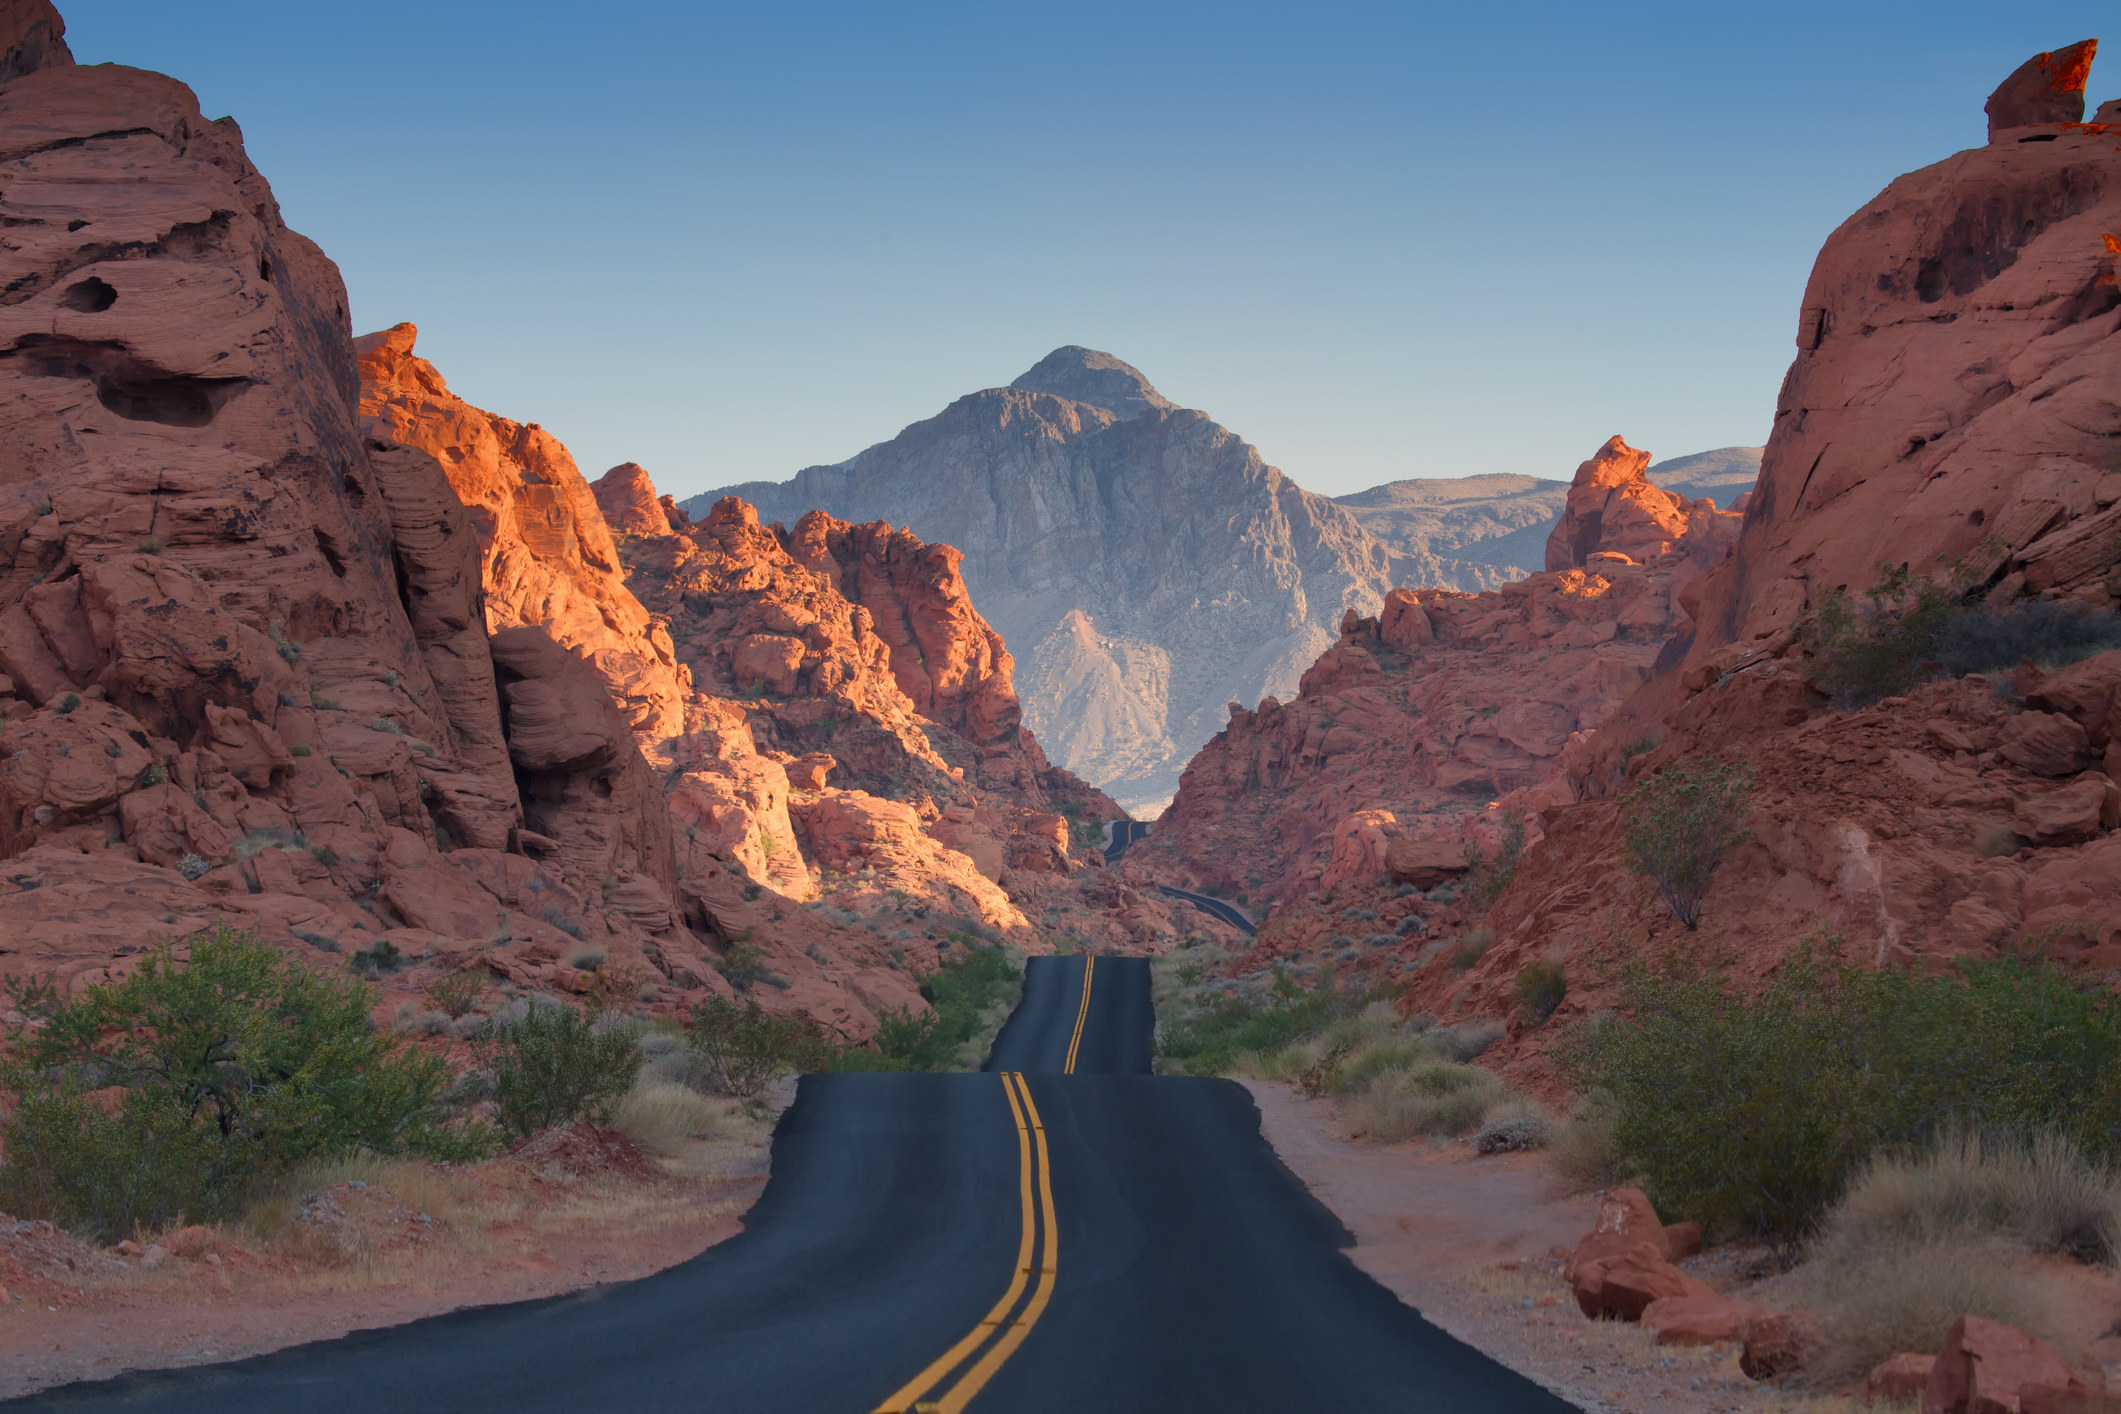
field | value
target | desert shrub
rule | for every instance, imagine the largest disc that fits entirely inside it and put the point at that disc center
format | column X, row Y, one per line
column 455, row 994
column 662, row 1118
column 1679, row 824
column 1751, row 1114
column 743, row 963
column 1211, row 1038
column 194, row 867
column 378, row 959
column 739, row 1049
column 1904, row 632
column 1488, row 876
column 229, row 1068
column 1580, row 1152
column 1909, row 1293
column 554, row 1065
column 1468, row 950
column 1467, row 1040
column 2041, row 1193
column 1539, row 989
column 1511, row 1134
column 1438, row 1098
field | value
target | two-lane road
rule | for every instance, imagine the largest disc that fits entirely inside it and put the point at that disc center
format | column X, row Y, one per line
column 1046, row 1238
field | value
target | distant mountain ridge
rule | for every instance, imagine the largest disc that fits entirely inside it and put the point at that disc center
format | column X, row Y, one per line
column 1501, row 522
column 1146, row 566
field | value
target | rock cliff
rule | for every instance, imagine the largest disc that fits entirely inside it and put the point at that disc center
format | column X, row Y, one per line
column 1417, row 718
column 246, row 673
column 355, row 664
column 1145, row 560
column 1951, row 412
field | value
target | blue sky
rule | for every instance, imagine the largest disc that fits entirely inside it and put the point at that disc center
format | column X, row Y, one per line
column 729, row 241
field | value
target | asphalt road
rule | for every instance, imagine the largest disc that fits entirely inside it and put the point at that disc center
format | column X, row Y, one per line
column 1124, row 833
column 1214, row 907
column 1033, row 1240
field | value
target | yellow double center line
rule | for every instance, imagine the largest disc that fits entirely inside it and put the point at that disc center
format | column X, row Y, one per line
column 1038, row 1224
column 1082, row 1014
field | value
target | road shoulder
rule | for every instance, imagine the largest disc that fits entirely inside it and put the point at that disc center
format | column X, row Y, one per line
column 1471, row 1241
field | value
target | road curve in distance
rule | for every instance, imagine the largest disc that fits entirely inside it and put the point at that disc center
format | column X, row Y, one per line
column 1124, row 834
column 1214, row 907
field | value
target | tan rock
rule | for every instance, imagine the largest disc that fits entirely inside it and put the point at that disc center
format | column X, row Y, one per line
column 1698, row 1320
column 1779, row 1344
column 1898, row 1380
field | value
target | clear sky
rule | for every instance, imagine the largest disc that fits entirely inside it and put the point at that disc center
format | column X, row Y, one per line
column 731, row 240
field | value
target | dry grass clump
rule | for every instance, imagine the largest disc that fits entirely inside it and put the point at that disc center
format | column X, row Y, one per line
column 1918, row 1242
column 1439, row 1098
column 1580, row 1152
column 1911, row 1290
column 2043, row 1195
column 661, row 1118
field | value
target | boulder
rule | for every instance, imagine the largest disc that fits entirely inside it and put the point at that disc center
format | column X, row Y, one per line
column 1625, row 1263
column 2068, row 815
column 1987, row 1367
column 1899, row 1380
column 1699, row 1320
column 2045, row 743
column 1425, row 863
column 2047, row 88
column 1779, row 1345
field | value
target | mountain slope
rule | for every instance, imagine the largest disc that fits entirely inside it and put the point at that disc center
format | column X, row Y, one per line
column 1150, row 565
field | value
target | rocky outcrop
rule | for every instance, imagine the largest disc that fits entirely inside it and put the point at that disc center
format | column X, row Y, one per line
column 1415, row 720
column 2047, row 88
column 32, row 37
column 1614, row 507
column 1148, row 562
column 246, row 676
column 548, row 556
column 1951, row 412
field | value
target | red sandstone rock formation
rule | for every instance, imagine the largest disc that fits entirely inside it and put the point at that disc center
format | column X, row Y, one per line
column 1417, row 719
column 1952, row 409
column 222, row 701
column 1613, row 507
column 2047, row 88
column 549, row 559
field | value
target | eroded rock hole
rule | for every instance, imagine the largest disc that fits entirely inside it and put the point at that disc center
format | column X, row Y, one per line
column 91, row 296
column 1977, row 517
column 355, row 491
column 173, row 402
column 1931, row 281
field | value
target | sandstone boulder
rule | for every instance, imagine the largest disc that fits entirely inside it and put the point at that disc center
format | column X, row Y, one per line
column 1986, row 1367
column 1699, row 1320
column 2070, row 814
column 1625, row 1263
column 1898, row 1380
column 2045, row 743
column 2047, row 88
column 1425, row 863
column 1780, row 1344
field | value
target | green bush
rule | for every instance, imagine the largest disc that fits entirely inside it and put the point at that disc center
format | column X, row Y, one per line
column 1210, row 1039
column 1489, row 877
column 554, row 1065
column 1903, row 633
column 969, row 996
column 741, row 1049
column 227, row 1070
column 1751, row 1114
column 1679, row 824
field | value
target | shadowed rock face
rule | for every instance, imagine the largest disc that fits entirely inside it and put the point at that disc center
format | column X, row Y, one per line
column 32, row 37
column 1103, row 534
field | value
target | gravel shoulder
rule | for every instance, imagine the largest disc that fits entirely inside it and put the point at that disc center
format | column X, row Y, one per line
column 1476, row 1245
